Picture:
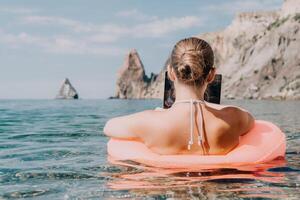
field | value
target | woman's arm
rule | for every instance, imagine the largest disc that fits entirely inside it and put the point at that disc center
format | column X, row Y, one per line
column 133, row 126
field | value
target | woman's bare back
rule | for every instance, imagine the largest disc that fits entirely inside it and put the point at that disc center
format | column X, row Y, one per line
column 221, row 130
column 167, row 131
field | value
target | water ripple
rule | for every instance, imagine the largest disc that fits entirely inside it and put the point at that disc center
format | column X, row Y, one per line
column 56, row 150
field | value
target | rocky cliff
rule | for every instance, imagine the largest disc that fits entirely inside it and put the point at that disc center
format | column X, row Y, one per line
column 258, row 55
column 67, row 91
column 132, row 81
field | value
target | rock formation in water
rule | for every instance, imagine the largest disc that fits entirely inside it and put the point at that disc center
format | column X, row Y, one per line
column 258, row 55
column 132, row 81
column 67, row 91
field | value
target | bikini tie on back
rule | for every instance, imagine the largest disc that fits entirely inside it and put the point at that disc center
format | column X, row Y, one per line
column 200, row 133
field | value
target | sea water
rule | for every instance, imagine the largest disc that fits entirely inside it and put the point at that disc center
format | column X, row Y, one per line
column 55, row 149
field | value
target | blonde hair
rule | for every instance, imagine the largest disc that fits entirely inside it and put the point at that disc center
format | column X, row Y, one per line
column 192, row 59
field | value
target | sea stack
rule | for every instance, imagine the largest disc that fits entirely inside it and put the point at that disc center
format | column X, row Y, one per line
column 67, row 91
column 132, row 82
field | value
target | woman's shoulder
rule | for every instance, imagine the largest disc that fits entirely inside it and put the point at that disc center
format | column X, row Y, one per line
column 222, row 107
column 228, row 110
column 236, row 117
column 153, row 119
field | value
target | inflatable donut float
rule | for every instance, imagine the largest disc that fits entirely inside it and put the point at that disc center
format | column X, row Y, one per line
column 263, row 143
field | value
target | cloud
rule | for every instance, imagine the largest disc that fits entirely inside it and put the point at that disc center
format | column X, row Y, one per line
column 58, row 44
column 16, row 40
column 158, row 28
column 152, row 29
column 135, row 14
column 17, row 10
column 102, row 38
column 243, row 6
column 48, row 20
column 78, row 37
column 64, row 44
column 112, row 32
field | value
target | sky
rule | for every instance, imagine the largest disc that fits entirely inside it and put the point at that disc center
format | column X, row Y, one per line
column 43, row 42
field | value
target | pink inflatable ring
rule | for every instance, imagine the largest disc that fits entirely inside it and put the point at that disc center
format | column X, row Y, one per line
column 265, row 142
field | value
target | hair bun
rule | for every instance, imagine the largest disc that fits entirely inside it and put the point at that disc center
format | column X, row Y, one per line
column 192, row 60
column 188, row 73
column 185, row 72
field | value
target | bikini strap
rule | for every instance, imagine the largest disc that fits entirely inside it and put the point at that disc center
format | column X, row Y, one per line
column 200, row 133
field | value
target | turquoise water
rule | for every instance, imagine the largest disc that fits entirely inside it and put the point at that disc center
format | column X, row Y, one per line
column 55, row 149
